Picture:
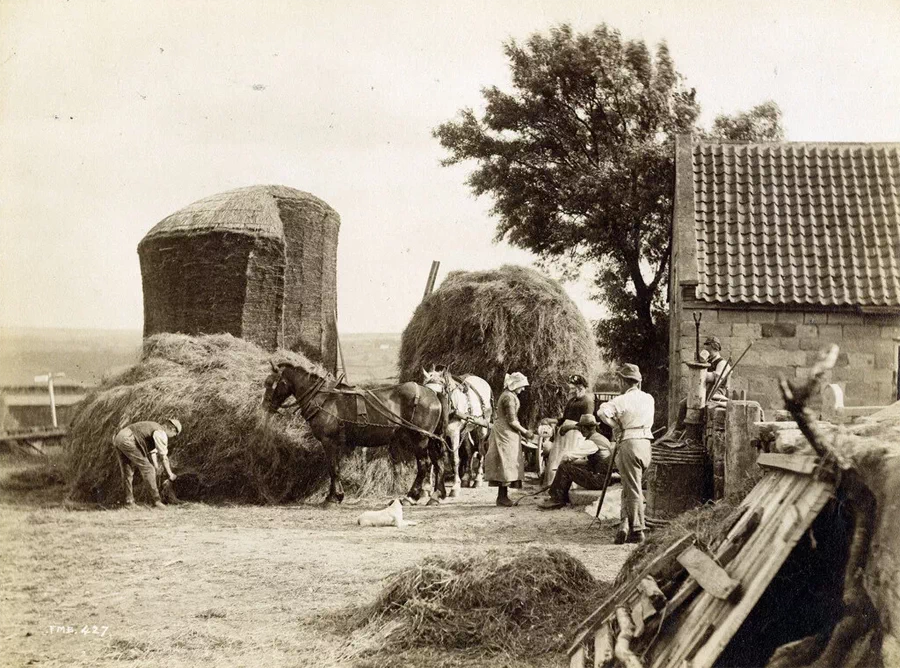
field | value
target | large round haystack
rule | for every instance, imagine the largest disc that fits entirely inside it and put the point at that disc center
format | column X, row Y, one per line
column 230, row 448
column 490, row 323
column 259, row 263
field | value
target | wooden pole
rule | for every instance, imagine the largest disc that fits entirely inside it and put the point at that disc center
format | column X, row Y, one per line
column 337, row 336
column 432, row 275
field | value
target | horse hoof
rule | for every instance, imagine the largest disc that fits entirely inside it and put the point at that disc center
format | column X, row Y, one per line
column 433, row 501
column 406, row 501
column 454, row 492
column 477, row 483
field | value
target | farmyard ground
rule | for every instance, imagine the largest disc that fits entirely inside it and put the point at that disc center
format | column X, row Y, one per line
column 219, row 586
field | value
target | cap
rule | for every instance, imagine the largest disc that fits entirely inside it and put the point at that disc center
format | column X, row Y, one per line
column 176, row 424
column 587, row 420
column 578, row 379
column 630, row 371
column 713, row 341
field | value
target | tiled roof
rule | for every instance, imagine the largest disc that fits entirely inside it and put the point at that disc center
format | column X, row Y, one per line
column 797, row 223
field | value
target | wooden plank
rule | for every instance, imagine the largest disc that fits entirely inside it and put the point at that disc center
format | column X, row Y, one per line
column 808, row 508
column 576, row 660
column 603, row 646
column 608, row 606
column 676, row 640
column 805, row 464
column 800, row 496
column 708, row 574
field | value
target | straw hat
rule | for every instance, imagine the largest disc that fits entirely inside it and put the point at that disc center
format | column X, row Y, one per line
column 177, row 424
column 514, row 381
column 630, row 371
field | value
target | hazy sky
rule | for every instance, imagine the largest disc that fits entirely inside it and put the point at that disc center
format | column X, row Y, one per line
column 116, row 114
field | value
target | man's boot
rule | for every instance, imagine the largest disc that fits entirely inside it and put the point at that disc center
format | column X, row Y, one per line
column 159, row 505
column 503, row 497
column 637, row 537
column 621, row 536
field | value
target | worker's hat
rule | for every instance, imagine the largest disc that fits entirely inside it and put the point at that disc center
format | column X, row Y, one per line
column 177, row 424
column 587, row 420
column 514, row 381
column 713, row 341
column 630, row 371
column 578, row 379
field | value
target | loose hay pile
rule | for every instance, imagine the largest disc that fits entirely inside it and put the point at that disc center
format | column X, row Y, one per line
column 524, row 604
column 230, row 448
column 489, row 323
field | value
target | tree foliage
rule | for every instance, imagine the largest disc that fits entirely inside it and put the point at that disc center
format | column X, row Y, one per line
column 761, row 123
column 578, row 157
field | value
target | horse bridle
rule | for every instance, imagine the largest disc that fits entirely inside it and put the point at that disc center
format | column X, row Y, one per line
column 308, row 396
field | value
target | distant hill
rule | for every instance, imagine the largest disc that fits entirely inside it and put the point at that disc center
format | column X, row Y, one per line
column 89, row 355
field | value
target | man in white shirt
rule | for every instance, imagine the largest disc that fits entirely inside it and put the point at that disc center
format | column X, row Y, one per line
column 139, row 444
column 631, row 416
column 584, row 464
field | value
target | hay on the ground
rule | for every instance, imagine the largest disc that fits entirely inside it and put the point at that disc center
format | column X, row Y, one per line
column 525, row 604
column 230, row 448
column 490, row 323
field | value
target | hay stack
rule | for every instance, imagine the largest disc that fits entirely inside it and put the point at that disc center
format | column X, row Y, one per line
column 524, row 604
column 490, row 323
column 230, row 449
column 258, row 262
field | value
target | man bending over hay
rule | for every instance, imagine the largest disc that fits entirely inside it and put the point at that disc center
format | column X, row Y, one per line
column 139, row 444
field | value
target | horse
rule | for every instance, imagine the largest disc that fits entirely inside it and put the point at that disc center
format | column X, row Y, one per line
column 343, row 417
column 468, row 408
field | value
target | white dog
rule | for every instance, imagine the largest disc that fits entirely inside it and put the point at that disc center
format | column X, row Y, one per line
column 392, row 516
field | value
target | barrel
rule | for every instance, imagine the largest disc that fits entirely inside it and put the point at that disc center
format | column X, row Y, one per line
column 677, row 480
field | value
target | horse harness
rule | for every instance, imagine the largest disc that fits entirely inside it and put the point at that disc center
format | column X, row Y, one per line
column 464, row 412
column 364, row 398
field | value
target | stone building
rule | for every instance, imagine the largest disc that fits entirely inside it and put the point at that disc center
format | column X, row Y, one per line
column 259, row 263
column 791, row 246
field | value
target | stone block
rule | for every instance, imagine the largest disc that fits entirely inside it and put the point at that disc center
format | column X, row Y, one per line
column 890, row 332
column 886, row 359
column 789, row 316
column 861, row 332
column 842, row 318
column 815, row 318
column 831, row 333
column 862, row 344
column 860, row 360
column 729, row 316
column 740, row 454
column 779, row 330
column 852, row 374
column 761, row 316
column 748, row 331
column 811, row 344
column 864, row 393
column 807, row 331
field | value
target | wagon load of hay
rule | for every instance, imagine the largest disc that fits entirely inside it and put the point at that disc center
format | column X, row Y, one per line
column 490, row 323
column 230, row 449
column 523, row 604
column 259, row 263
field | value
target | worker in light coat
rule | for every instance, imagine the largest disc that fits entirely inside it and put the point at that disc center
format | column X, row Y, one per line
column 631, row 417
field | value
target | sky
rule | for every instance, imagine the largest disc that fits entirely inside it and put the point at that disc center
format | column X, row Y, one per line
column 115, row 114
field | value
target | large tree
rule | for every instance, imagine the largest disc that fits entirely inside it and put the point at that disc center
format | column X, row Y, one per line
column 579, row 159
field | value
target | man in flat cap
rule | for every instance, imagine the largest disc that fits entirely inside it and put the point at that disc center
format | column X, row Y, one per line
column 585, row 464
column 718, row 367
column 141, row 446
column 631, row 416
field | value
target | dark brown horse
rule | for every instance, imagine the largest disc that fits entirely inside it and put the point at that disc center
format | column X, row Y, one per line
column 343, row 417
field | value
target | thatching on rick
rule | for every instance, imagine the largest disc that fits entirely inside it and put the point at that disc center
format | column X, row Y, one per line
column 490, row 323
column 258, row 263
column 230, row 448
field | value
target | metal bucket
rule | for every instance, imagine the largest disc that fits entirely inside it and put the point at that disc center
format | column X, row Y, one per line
column 678, row 479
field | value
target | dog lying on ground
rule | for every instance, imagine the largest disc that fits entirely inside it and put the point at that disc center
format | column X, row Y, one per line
column 392, row 516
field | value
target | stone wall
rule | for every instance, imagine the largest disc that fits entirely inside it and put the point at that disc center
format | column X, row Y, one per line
column 786, row 343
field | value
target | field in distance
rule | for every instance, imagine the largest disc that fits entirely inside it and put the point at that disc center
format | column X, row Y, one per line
column 89, row 355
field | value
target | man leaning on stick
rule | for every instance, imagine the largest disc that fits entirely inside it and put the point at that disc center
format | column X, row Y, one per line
column 141, row 446
column 631, row 416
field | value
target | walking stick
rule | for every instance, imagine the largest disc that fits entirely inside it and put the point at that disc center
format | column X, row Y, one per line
column 609, row 468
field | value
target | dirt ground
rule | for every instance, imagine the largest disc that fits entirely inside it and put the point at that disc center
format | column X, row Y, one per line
column 219, row 586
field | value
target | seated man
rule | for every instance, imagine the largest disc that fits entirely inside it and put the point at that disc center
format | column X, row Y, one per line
column 585, row 464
